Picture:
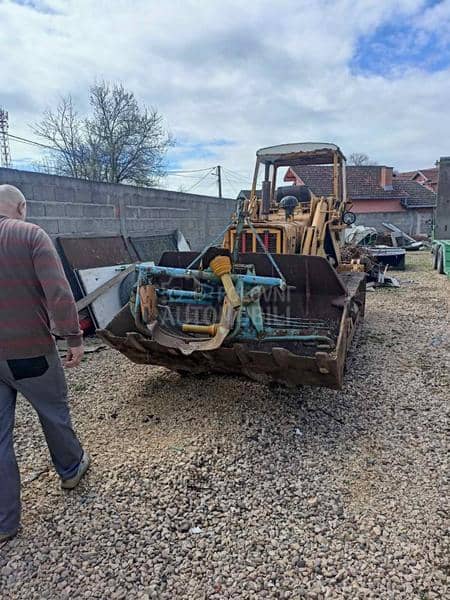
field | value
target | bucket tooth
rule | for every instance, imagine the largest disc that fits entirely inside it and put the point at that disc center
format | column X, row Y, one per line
column 322, row 360
column 281, row 357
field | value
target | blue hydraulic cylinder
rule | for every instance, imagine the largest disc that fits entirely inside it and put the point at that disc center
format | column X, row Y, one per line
column 248, row 279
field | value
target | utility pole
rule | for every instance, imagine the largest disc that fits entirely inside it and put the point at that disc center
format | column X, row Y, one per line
column 5, row 153
column 219, row 179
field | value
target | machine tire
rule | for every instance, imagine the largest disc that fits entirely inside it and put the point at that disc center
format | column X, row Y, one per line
column 440, row 261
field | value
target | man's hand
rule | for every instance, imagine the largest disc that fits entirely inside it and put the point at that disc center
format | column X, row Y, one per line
column 74, row 356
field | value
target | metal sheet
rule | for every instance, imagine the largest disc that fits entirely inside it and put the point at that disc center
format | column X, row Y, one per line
column 108, row 304
column 394, row 257
column 278, row 153
column 151, row 247
column 88, row 252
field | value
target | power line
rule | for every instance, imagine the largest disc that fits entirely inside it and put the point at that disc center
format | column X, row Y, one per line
column 240, row 181
column 200, row 180
column 174, row 172
column 232, row 176
column 235, row 175
column 33, row 143
column 238, row 173
column 212, row 185
column 233, row 186
column 169, row 174
column 189, row 170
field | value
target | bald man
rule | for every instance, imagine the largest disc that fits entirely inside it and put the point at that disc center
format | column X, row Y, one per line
column 34, row 292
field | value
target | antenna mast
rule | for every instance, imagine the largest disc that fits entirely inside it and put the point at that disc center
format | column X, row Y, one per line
column 5, row 153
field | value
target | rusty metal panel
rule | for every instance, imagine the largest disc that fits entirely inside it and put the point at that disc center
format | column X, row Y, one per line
column 87, row 252
column 152, row 247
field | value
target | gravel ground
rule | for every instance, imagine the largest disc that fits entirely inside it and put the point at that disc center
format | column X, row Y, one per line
column 221, row 488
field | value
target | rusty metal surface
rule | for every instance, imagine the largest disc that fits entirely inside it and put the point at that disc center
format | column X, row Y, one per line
column 316, row 290
column 151, row 248
column 278, row 365
column 312, row 283
column 88, row 252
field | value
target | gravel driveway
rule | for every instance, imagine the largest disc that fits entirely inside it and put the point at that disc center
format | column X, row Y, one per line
column 222, row 488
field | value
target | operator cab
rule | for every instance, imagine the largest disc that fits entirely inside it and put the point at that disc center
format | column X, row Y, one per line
column 281, row 215
column 291, row 155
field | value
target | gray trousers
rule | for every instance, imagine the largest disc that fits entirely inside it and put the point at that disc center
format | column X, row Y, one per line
column 41, row 380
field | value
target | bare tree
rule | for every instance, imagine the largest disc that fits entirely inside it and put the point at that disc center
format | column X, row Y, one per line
column 359, row 159
column 120, row 142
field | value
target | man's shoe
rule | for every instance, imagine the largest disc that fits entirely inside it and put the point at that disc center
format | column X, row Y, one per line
column 69, row 484
column 4, row 537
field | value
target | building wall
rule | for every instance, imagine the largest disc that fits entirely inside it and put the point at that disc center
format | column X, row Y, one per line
column 63, row 205
column 412, row 222
column 376, row 206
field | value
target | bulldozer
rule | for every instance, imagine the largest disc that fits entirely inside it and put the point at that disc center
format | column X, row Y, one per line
column 269, row 299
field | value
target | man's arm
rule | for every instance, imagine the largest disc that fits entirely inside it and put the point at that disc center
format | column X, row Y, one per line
column 59, row 298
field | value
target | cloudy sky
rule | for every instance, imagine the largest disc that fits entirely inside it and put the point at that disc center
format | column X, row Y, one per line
column 231, row 76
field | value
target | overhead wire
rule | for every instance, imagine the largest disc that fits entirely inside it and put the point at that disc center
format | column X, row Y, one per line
column 233, row 186
column 189, row 170
column 200, row 180
column 237, row 175
column 168, row 174
column 233, row 178
column 18, row 138
column 239, row 180
column 40, row 144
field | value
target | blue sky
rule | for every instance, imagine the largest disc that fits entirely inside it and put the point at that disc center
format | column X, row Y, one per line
column 400, row 43
column 370, row 75
column 186, row 150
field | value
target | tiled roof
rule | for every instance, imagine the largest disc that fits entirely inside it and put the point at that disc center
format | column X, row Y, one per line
column 416, row 194
column 431, row 174
column 363, row 183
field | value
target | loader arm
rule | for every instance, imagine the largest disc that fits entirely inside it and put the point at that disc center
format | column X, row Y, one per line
column 314, row 235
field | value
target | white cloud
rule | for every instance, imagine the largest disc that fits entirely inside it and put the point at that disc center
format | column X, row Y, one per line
column 255, row 73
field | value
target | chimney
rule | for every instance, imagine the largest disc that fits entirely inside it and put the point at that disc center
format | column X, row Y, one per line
column 386, row 177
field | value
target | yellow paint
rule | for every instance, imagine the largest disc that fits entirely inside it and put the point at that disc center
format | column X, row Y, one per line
column 221, row 266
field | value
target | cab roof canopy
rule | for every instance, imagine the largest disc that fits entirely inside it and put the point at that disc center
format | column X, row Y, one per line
column 291, row 155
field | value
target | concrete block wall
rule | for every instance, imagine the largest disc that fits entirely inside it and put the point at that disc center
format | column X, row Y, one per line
column 63, row 205
column 412, row 222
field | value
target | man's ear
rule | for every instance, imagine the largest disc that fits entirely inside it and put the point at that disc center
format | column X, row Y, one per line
column 22, row 210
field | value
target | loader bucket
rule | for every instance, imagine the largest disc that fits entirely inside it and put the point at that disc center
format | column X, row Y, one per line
column 320, row 305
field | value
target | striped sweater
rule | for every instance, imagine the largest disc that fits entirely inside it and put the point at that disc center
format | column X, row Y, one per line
column 34, row 292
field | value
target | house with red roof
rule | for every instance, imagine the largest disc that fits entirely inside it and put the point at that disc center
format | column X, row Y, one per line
column 377, row 195
column 426, row 177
